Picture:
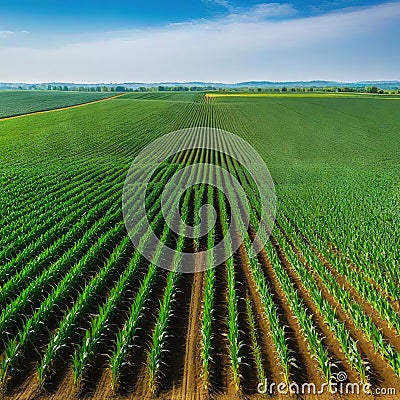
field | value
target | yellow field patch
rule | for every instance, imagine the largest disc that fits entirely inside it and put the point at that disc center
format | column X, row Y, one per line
column 302, row 95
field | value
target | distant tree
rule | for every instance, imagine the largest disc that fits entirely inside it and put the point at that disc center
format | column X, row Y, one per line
column 65, row 88
column 48, row 87
column 284, row 89
column 372, row 89
column 293, row 89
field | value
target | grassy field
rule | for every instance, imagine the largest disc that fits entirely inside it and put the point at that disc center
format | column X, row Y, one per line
column 82, row 313
column 16, row 102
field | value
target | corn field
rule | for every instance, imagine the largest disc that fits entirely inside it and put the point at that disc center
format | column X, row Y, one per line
column 84, row 313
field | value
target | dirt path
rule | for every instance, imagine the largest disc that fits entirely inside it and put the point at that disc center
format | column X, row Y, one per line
column 192, row 387
column 61, row 108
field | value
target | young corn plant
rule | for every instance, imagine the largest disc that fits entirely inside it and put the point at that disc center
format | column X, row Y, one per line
column 361, row 320
column 70, row 322
column 347, row 343
column 98, row 326
column 126, row 336
column 16, row 348
column 209, row 293
column 254, row 341
column 158, row 341
column 157, row 346
column 277, row 329
column 234, row 343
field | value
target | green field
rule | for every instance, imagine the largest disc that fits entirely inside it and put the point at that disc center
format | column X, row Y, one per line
column 23, row 102
column 81, row 308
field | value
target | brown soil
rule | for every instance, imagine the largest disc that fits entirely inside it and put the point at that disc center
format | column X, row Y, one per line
column 192, row 387
column 173, row 363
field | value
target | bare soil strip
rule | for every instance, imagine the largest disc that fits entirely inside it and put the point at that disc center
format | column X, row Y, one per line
column 60, row 108
column 248, row 370
column 172, row 367
column 192, row 387
column 220, row 381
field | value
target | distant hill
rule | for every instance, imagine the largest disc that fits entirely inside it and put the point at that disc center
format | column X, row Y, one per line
column 386, row 85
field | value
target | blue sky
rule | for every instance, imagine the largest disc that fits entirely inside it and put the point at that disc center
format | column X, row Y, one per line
column 209, row 40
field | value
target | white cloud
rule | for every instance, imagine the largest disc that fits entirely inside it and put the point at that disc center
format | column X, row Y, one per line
column 5, row 34
column 223, row 3
column 262, row 11
column 354, row 44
